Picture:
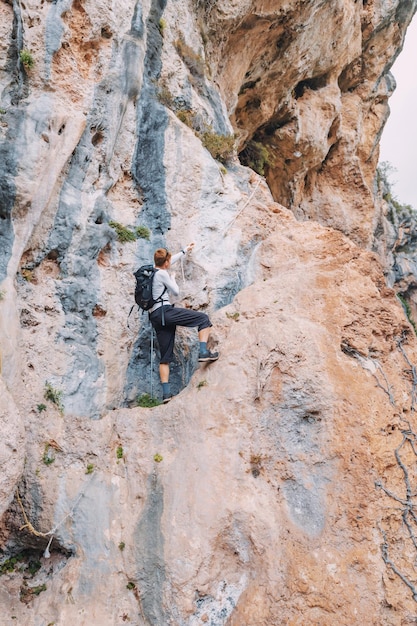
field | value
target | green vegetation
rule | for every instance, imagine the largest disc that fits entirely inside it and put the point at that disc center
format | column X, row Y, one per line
column 2, row 294
column 256, row 156
column 11, row 564
column 54, row 395
column 27, row 593
column 23, row 561
column 383, row 173
column 202, row 383
column 90, row 468
column 192, row 60
column 158, row 458
column 27, row 275
column 124, row 234
column 41, row 407
column 34, row 567
column 2, row 111
column 233, row 316
column 27, row 59
column 122, row 546
column 130, row 586
column 48, row 455
column 407, row 311
column 187, row 117
column 399, row 211
column 162, row 26
column 221, row 147
column 146, row 401
column 119, row 452
column 165, row 96
column 142, row 232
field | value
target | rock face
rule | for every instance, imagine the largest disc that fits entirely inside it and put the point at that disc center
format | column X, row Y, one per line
column 310, row 83
column 277, row 487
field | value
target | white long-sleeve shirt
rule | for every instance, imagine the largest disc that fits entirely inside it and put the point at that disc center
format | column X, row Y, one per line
column 161, row 280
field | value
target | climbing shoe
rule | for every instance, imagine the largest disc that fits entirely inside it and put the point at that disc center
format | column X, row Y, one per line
column 208, row 356
column 166, row 399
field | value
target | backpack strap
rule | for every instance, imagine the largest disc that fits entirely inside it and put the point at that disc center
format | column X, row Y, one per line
column 160, row 299
column 131, row 309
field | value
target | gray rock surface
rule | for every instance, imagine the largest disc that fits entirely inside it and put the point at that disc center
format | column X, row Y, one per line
column 262, row 493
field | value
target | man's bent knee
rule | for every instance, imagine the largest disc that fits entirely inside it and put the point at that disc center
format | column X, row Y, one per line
column 205, row 323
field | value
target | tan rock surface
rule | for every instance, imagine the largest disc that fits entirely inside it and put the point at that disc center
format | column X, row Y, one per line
column 264, row 506
column 304, row 67
column 277, row 487
column 12, row 447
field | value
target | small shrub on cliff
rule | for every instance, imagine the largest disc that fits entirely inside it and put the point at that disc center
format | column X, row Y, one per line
column 407, row 311
column 123, row 233
column 25, row 562
column 162, row 26
column 165, row 96
column 11, row 564
column 186, row 116
column 54, row 395
column 146, row 401
column 26, row 593
column 256, row 156
column 221, row 147
column 27, row 275
column 192, row 59
column 142, row 232
column 399, row 212
column 27, row 59
column 48, row 456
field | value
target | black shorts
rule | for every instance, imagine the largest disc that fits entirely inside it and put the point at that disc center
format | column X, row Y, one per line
column 175, row 317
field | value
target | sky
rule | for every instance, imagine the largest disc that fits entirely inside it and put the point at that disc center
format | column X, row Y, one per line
column 399, row 137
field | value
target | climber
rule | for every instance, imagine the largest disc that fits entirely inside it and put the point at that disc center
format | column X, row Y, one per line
column 165, row 317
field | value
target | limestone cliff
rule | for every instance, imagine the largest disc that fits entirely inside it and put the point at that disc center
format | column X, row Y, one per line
column 278, row 486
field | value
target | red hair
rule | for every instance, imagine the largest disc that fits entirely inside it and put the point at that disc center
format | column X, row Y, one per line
column 160, row 256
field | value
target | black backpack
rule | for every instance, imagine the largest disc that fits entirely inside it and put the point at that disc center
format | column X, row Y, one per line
column 143, row 290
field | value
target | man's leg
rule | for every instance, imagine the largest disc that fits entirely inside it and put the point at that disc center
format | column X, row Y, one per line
column 166, row 387
column 204, row 354
column 165, row 335
column 203, row 335
column 191, row 319
column 164, row 372
column 166, row 340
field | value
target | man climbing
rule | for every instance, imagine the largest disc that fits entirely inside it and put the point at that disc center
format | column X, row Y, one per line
column 165, row 317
